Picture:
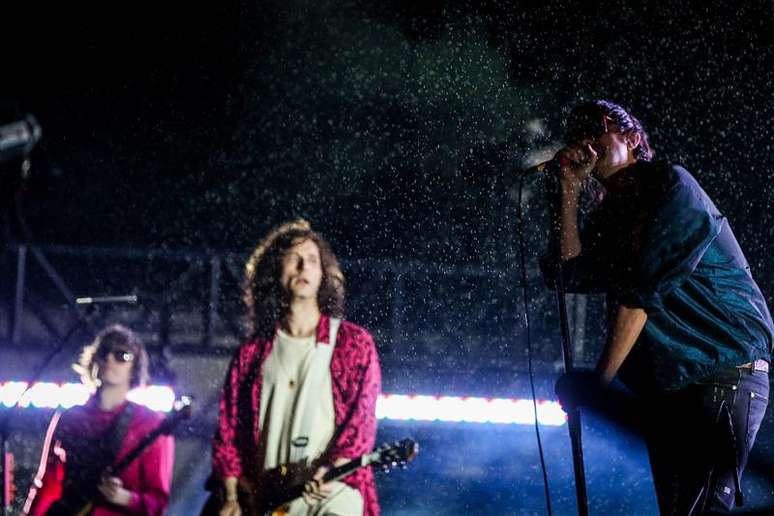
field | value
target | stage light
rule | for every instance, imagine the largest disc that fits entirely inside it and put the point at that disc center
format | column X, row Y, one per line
column 71, row 394
column 51, row 395
column 403, row 407
column 156, row 397
column 43, row 395
column 399, row 407
column 10, row 392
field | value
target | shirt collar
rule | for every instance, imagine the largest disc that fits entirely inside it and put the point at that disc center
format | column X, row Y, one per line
column 324, row 330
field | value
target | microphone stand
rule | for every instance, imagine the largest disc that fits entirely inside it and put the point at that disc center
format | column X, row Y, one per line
column 83, row 320
column 573, row 415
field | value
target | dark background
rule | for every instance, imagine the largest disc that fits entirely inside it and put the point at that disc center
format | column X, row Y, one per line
column 396, row 127
column 202, row 126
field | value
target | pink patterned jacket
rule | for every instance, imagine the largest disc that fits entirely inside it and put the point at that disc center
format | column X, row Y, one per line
column 356, row 380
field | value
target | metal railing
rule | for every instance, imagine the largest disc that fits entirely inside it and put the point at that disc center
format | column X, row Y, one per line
column 190, row 301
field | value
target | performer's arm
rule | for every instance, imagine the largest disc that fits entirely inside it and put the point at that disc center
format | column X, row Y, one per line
column 626, row 328
column 569, row 236
column 231, row 502
column 582, row 159
column 157, row 462
column 226, row 460
column 678, row 232
column 577, row 256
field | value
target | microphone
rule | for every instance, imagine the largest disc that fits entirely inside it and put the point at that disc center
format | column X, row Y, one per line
column 547, row 167
column 18, row 138
column 560, row 161
column 131, row 299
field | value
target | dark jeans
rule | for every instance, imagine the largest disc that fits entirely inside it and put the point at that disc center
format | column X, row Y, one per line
column 699, row 436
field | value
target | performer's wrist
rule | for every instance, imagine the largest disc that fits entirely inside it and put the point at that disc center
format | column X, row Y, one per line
column 571, row 186
column 604, row 373
column 231, row 496
column 230, row 489
column 134, row 504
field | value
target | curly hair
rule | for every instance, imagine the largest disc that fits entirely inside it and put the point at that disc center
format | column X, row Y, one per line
column 265, row 297
column 584, row 117
column 106, row 340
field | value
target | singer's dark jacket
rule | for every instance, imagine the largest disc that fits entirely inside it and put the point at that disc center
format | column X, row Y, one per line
column 660, row 244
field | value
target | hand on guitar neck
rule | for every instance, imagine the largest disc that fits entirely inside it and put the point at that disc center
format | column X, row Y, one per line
column 241, row 497
column 317, row 490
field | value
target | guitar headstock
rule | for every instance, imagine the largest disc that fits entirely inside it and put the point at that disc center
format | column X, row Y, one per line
column 397, row 454
column 181, row 410
column 184, row 405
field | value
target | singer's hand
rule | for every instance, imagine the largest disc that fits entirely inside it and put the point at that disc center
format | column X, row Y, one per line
column 580, row 159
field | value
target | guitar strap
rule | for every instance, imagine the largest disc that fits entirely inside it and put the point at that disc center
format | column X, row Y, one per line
column 87, row 459
column 37, row 482
column 113, row 438
column 312, row 375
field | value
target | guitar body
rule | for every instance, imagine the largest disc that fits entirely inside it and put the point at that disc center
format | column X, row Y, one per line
column 250, row 502
column 75, row 500
column 79, row 496
column 274, row 492
column 62, row 508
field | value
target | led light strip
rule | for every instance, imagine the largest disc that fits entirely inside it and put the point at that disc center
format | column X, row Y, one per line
column 399, row 407
column 66, row 395
column 469, row 410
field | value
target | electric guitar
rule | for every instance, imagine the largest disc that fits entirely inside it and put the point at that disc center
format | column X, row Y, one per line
column 81, row 504
column 275, row 492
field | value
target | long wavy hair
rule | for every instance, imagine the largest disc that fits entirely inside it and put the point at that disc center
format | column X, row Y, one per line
column 109, row 338
column 265, row 297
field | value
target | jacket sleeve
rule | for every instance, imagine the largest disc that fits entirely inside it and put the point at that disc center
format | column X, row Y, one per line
column 356, row 434
column 586, row 273
column 157, row 462
column 226, row 461
column 680, row 230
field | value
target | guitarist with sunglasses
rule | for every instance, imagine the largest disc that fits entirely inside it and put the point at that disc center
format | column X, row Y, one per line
column 84, row 441
column 300, row 395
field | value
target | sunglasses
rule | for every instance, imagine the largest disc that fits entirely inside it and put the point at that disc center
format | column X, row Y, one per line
column 119, row 355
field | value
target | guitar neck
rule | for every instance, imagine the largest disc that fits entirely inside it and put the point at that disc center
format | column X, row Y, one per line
column 137, row 450
column 165, row 427
column 387, row 457
column 339, row 472
column 347, row 468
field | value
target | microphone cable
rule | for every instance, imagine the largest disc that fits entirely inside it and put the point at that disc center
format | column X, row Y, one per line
column 525, row 291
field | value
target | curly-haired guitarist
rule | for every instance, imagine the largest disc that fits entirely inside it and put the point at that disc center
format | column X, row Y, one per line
column 300, row 395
